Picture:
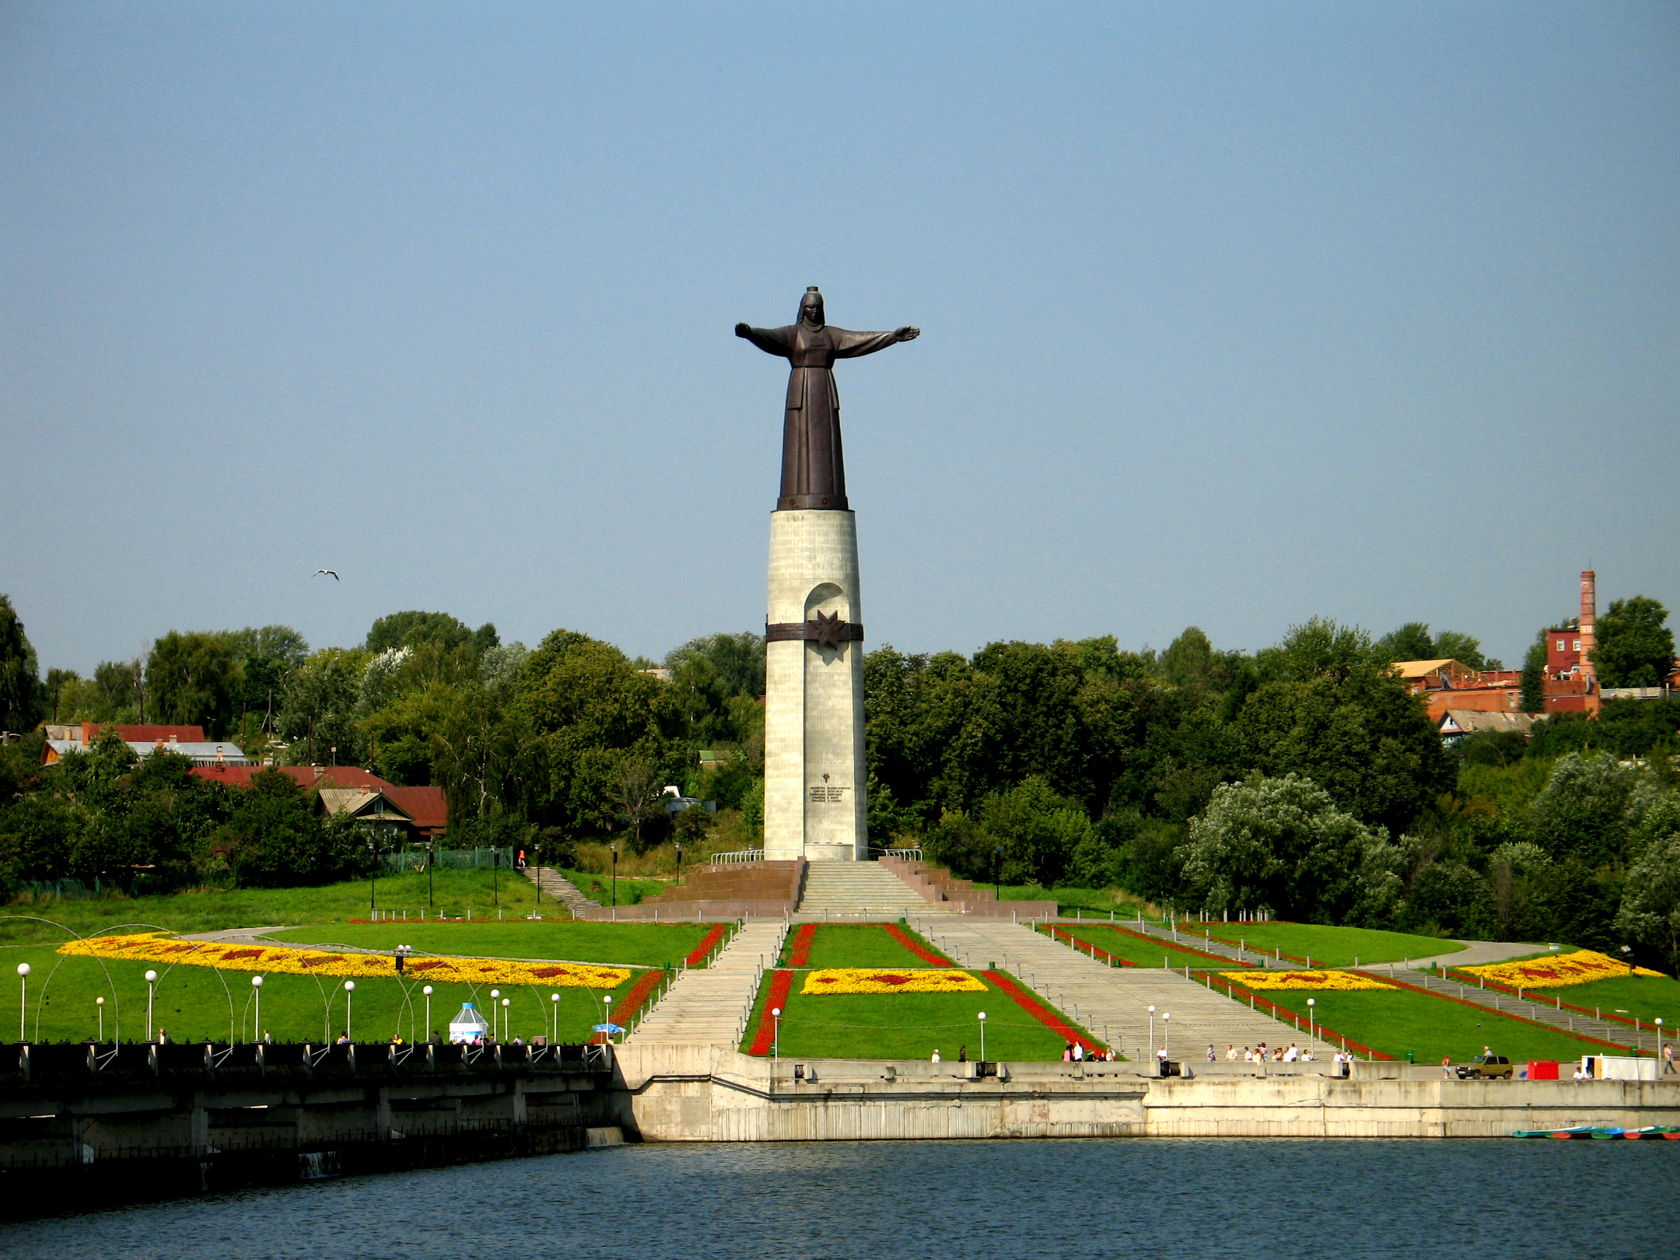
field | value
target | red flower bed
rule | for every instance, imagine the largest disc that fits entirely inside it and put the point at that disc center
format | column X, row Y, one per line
column 916, row 947
column 799, row 951
column 1016, row 994
column 1189, row 949
column 1325, row 1032
column 764, row 1037
column 1095, row 951
column 632, row 1001
column 1521, row 1019
column 698, row 955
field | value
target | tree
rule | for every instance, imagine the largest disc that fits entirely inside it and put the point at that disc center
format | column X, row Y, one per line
column 706, row 675
column 1635, row 647
column 1414, row 642
column 20, row 679
column 1283, row 845
column 1189, row 660
column 410, row 629
column 274, row 839
column 191, row 678
column 319, row 710
column 1588, row 808
column 1649, row 915
column 267, row 656
column 1532, row 696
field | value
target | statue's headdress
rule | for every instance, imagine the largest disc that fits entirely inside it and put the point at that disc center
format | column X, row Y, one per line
column 810, row 292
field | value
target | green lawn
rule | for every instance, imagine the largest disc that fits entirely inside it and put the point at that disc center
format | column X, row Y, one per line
column 1069, row 900
column 630, row 892
column 452, row 892
column 1141, row 953
column 857, row 945
column 619, row 944
column 906, row 1026
column 1395, row 1021
column 1328, row 946
column 1636, row 997
column 204, row 1003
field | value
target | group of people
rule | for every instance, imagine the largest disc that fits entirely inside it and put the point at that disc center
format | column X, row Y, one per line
column 1264, row 1054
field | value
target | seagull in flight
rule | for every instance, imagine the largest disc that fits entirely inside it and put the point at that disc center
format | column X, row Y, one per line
column 327, row 573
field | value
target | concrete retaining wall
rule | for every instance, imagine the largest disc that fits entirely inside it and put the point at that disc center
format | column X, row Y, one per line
column 676, row 1094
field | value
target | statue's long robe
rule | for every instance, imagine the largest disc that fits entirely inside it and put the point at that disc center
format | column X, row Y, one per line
column 813, row 470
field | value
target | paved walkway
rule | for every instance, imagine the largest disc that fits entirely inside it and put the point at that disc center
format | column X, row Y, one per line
column 560, row 889
column 711, row 1005
column 1114, row 1002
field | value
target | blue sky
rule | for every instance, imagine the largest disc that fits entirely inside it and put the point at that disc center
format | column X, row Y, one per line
column 1233, row 314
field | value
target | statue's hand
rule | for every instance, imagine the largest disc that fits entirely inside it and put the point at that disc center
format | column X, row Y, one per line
column 907, row 333
column 741, row 330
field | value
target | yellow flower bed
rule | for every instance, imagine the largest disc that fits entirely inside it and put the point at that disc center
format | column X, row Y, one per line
column 884, row 980
column 1581, row 967
column 1338, row 980
column 156, row 947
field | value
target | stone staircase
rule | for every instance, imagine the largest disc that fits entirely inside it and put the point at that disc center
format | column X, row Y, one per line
column 859, row 892
column 709, row 1006
column 551, row 883
column 1113, row 1002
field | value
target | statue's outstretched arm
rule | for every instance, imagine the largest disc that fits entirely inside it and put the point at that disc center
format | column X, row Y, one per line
column 849, row 345
column 770, row 340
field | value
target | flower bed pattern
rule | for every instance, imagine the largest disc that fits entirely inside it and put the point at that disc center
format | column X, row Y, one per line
column 1319, row 980
column 624, row 1010
column 1521, row 1019
column 156, row 947
column 764, row 1037
column 799, row 949
column 1581, row 967
column 1085, row 947
column 698, row 955
column 882, row 980
column 1031, row 1005
column 916, row 947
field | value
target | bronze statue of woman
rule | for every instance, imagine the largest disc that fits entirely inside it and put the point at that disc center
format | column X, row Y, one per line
column 813, row 472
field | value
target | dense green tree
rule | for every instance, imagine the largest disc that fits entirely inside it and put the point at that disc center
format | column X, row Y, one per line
column 1589, row 808
column 267, row 655
column 274, row 838
column 1635, row 647
column 1320, row 651
column 1038, row 830
column 1189, row 659
column 1283, row 845
column 191, row 678
column 585, row 704
column 1649, row 916
column 1532, row 694
column 707, row 675
column 21, row 698
column 410, row 629
column 320, row 710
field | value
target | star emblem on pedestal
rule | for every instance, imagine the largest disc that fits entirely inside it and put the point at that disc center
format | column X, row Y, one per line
column 827, row 629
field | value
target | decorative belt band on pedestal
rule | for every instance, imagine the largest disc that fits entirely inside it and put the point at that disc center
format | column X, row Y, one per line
column 825, row 630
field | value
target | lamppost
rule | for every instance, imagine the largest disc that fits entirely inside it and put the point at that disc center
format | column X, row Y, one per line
column 615, row 875
column 431, row 860
column 606, row 1018
column 1165, row 1016
column 507, row 1020
column 349, row 992
column 256, row 993
column 554, row 1005
column 495, row 1023
column 1151, row 1032
column 1312, row 1018
column 373, row 876
column 151, row 990
column 1627, row 957
column 982, row 1036
column 428, row 992
column 1659, row 1036
column 400, row 956
column 775, row 1032
column 536, row 856
column 997, row 873
column 496, row 876
column 679, row 861
column 99, row 1003
column 23, row 1000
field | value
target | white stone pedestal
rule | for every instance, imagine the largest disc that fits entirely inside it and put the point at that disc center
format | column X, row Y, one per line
column 814, row 803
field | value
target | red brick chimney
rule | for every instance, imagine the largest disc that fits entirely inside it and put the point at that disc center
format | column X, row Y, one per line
column 1589, row 615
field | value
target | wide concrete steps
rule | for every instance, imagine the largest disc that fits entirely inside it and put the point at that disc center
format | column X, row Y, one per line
column 858, row 892
column 1113, row 1002
column 709, row 1006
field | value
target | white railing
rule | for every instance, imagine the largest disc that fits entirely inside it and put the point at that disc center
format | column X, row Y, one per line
column 739, row 855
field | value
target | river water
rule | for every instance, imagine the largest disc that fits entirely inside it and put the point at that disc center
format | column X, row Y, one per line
column 943, row 1200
